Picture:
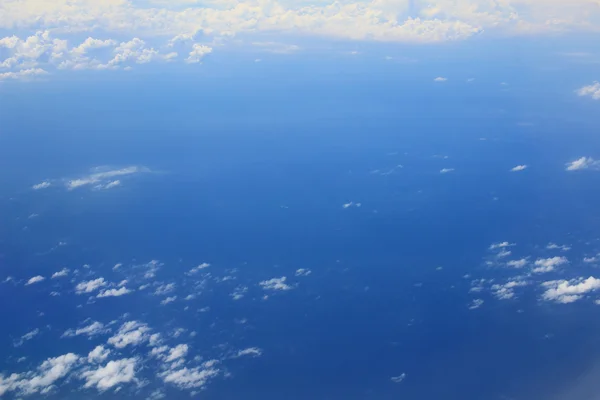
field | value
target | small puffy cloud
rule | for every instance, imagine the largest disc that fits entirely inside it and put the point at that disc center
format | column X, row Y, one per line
column 164, row 289
column 176, row 353
column 26, row 337
column 168, row 300
column 61, row 273
column 239, row 292
column 504, row 253
column 199, row 268
column 500, row 245
column 398, row 379
column 190, row 378
column 98, row 355
column 583, row 163
column 548, row 264
column 590, row 259
column 275, row 284
column 114, row 292
column 592, row 91
column 562, row 291
column 351, row 204
column 554, row 246
column 446, row 170
column 198, row 52
column 131, row 333
column 112, row 374
column 303, row 272
column 476, row 303
column 89, row 286
column 440, row 79
column 35, row 279
column 99, row 178
column 117, row 266
column 517, row 263
column 93, row 329
column 250, row 351
column 518, row 168
column 41, row 185
column 506, row 291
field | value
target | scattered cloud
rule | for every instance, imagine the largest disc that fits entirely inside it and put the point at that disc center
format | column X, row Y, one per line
column 199, row 268
column 592, row 91
column 554, row 246
column 446, row 170
column 101, row 178
column 476, row 303
column 517, row 263
column 164, row 289
column 563, row 291
column 275, row 284
column 114, row 292
column 503, row 253
column 276, row 47
column 303, row 272
column 590, row 259
column 351, row 204
column 35, row 279
column 199, row 51
column 544, row 265
column 501, row 245
column 398, row 379
column 131, row 333
column 63, row 272
column 93, row 329
column 190, row 378
column 98, row 355
column 506, row 291
column 168, row 300
column 440, row 79
column 250, row 351
column 176, row 353
column 26, row 337
column 239, row 292
column 519, row 168
column 41, row 185
column 112, row 374
column 583, row 163
column 90, row 286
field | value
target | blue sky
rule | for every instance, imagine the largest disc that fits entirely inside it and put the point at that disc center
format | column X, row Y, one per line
column 267, row 200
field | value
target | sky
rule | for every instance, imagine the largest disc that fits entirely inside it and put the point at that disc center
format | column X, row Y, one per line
column 299, row 199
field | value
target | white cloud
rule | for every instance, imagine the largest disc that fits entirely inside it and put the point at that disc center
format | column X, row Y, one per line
column 275, row 284
column 112, row 374
column 131, row 333
column 199, row 268
column 250, row 351
column 517, row 263
column 276, row 47
column 500, row 245
column 590, row 259
column 518, row 168
column 554, row 246
column 398, row 379
column 101, row 177
column 117, row 266
column 176, row 353
column 198, row 52
column 189, row 378
column 239, row 292
column 504, row 253
column 98, row 355
column 114, row 292
column 26, row 337
column 35, row 279
column 446, row 170
column 506, row 291
column 476, row 303
column 95, row 328
column 592, row 90
column 548, row 264
column 42, row 185
column 351, row 204
column 164, row 289
column 440, row 79
column 583, row 163
column 168, row 300
column 61, row 273
column 89, row 286
column 563, row 291
column 303, row 272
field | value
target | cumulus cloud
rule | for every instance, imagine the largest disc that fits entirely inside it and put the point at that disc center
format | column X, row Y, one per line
column 198, row 52
column 351, row 204
column 131, row 333
column 398, row 379
column 563, row 291
column 500, row 245
column 592, row 91
column 190, row 378
column 239, row 292
column 199, row 268
column 63, row 272
column 93, row 329
column 583, row 163
column 98, row 355
column 114, row 292
column 90, row 286
column 35, row 279
column 303, row 272
column 506, row 291
column 41, row 185
column 26, row 337
column 476, row 303
column 440, row 79
column 517, row 263
column 275, row 284
column 114, row 373
column 168, row 300
column 164, row 289
column 446, row 170
column 548, row 264
column 250, row 351
column 176, row 353
column 518, row 168
column 554, row 246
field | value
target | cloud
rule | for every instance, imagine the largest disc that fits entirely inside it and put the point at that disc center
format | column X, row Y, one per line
column 562, row 291
column 60, row 274
column 198, row 52
column 398, row 379
column 112, row 374
column 35, row 279
column 89, row 286
column 250, row 351
column 554, row 246
column 164, row 289
column 351, row 204
column 276, row 47
column 41, row 185
column 583, row 163
column 500, row 245
column 95, row 328
column 518, row 168
column 239, row 292
column 475, row 304
column 190, row 378
column 506, row 291
column 440, row 79
column 98, row 355
column 548, row 264
column 199, row 268
column 592, row 91
column 176, row 353
column 590, row 259
column 114, row 292
column 504, row 253
column 100, row 177
column 168, row 300
column 517, row 263
column 446, row 170
column 26, row 337
column 131, row 333
column 303, row 272
column 275, row 284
